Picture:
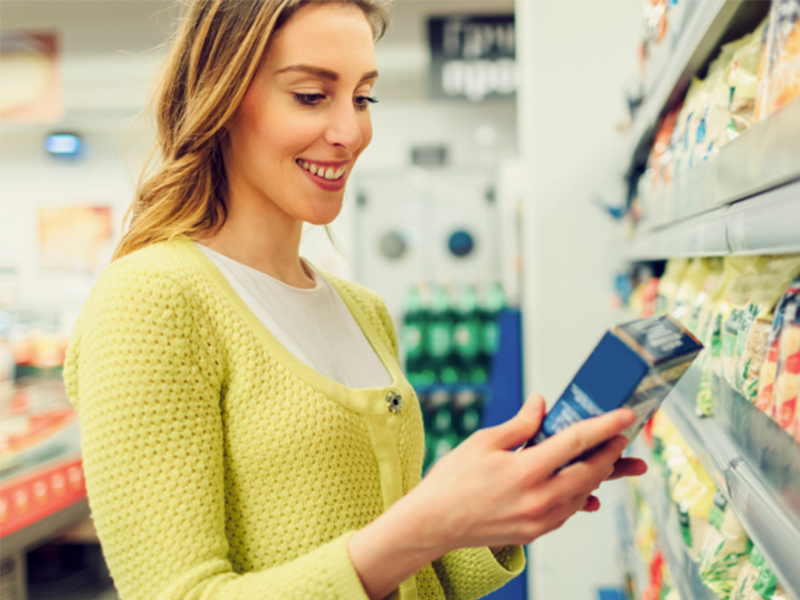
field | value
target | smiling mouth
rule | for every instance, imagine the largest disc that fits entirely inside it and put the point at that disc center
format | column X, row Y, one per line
column 328, row 173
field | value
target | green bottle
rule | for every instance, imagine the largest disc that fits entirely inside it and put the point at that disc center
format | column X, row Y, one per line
column 440, row 337
column 490, row 332
column 467, row 337
column 413, row 336
column 467, row 412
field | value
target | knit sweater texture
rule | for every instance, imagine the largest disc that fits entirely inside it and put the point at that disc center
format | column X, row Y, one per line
column 218, row 465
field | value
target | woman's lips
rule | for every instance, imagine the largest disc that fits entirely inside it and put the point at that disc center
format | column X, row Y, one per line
column 330, row 185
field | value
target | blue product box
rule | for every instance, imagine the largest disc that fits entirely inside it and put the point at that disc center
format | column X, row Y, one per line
column 635, row 365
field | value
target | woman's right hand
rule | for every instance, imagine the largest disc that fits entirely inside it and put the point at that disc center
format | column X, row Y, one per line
column 484, row 494
column 481, row 494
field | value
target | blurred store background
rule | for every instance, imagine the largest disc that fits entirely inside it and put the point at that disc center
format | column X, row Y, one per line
column 540, row 171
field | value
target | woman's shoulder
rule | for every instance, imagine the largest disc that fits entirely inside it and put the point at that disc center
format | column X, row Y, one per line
column 161, row 272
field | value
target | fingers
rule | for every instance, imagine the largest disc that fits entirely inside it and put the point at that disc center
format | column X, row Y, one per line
column 586, row 476
column 523, row 426
column 576, row 439
column 592, row 504
column 628, row 467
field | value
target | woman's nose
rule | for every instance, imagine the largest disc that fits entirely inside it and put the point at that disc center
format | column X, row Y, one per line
column 344, row 128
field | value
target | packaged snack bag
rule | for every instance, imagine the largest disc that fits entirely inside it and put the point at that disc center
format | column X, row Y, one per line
column 703, row 302
column 668, row 284
column 690, row 487
column 743, row 79
column 765, row 62
column 725, row 549
column 756, row 581
column 744, row 287
column 710, row 331
column 681, row 142
column 694, row 278
column 757, row 321
column 787, row 382
column 783, row 84
column 769, row 367
column 712, row 128
column 694, row 497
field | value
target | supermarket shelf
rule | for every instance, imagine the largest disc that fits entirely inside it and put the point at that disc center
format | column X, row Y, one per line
column 707, row 24
column 683, row 568
column 754, row 462
column 765, row 224
column 764, row 157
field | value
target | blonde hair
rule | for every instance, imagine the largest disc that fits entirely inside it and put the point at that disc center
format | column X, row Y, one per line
column 213, row 60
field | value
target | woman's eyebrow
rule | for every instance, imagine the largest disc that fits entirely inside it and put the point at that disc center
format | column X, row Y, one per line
column 323, row 73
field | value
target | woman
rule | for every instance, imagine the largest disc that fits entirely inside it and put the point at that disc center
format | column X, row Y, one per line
column 247, row 431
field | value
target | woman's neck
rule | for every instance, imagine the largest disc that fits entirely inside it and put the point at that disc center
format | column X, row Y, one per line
column 269, row 243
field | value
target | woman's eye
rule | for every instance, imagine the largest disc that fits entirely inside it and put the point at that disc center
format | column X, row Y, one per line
column 363, row 101
column 309, row 99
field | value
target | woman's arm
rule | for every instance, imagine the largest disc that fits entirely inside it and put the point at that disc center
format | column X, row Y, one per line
column 482, row 494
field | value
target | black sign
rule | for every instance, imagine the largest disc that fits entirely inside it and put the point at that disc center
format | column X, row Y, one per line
column 472, row 56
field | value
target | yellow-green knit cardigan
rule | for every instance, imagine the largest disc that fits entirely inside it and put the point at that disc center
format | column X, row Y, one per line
column 218, row 465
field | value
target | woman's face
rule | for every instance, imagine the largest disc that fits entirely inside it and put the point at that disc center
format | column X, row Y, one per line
column 305, row 119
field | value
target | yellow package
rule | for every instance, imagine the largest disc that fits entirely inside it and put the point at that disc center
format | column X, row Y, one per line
column 708, row 294
column 743, row 79
column 668, row 284
column 690, row 487
column 742, row 288
column 733, row 290
column 725, row 549
column 689, row 287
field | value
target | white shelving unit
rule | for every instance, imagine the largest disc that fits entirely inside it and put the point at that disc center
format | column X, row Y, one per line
column 745, row 200
column 754, row 463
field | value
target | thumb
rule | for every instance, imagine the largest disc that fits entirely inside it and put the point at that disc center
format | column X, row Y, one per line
column 522, row 426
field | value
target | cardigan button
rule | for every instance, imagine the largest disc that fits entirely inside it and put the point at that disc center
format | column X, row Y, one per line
column 394, row 401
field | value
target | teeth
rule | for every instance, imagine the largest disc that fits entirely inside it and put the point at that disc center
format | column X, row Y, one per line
column 330, row 173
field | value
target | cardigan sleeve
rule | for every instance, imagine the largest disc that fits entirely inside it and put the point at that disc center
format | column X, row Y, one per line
column 145, row 373
column 466, row 573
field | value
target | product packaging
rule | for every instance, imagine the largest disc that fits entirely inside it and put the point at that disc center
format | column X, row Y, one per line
column 787, row 382
column 779, row 69
column 769, row 368
column 756, row 581
column 725, row 549
column 756, row 321
column 742, row 79
column 635, row 365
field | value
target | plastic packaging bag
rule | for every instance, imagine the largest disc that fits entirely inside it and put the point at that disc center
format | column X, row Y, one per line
column 756, row 581
column 742, row 79
column 757, row 320
column 787, row 382
column 725, row 549
column 769, row 369
column 779, row 70
column 694, row 278
column 668, row 284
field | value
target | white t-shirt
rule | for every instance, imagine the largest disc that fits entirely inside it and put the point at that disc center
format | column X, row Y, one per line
column 313, row 324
